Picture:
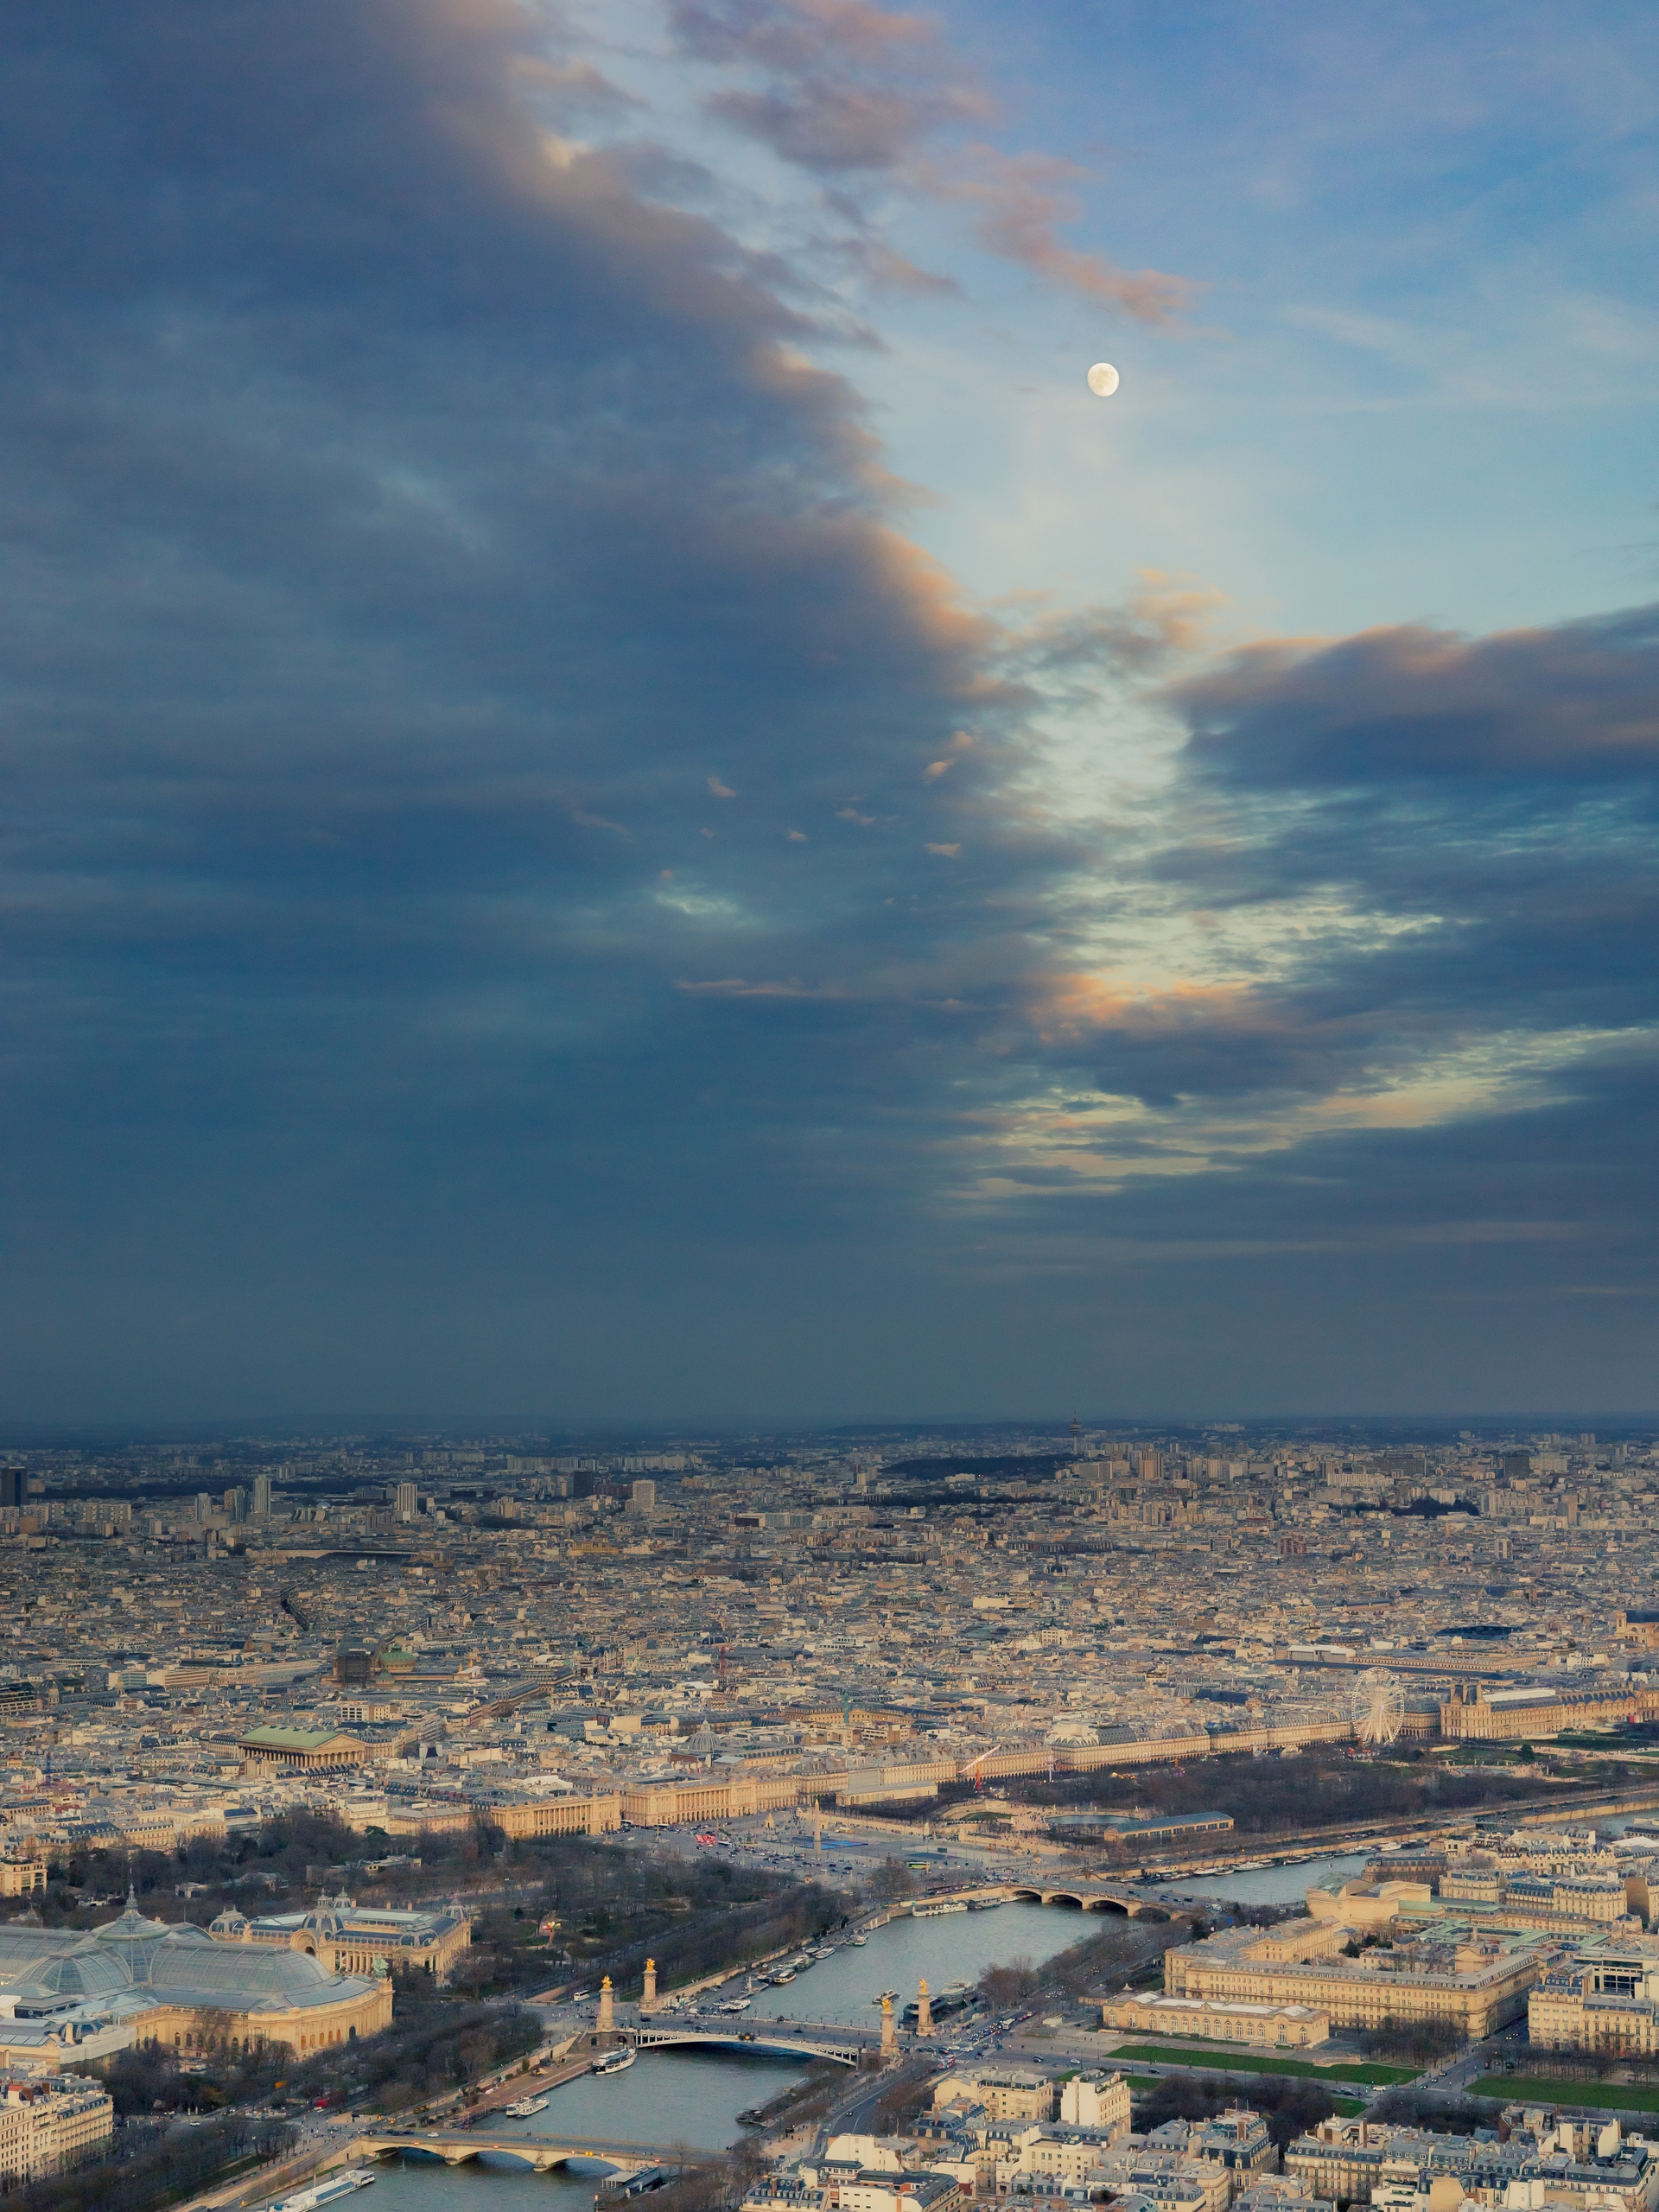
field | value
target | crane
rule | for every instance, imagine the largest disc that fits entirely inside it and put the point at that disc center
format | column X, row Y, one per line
column 974, row 1765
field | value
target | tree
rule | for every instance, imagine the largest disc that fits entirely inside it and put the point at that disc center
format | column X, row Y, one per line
column 891, row 1879
column 1003, row 1986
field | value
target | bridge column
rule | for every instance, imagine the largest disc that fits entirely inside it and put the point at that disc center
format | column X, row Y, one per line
column 649, row 1996
column 923, row 2009
column 607, row 2007
column 889, row 2030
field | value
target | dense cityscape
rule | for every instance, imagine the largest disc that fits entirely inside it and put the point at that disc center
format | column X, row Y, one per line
column 396, row 1765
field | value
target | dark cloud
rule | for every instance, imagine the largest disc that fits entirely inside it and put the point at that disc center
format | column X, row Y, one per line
column 449, row 453
column 523, row 886
column 841, row 127
column 407, row 516
column 1579, row 703
column 1488, row 803
column 849, row 86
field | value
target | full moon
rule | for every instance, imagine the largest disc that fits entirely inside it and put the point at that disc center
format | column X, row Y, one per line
column 1102, row 379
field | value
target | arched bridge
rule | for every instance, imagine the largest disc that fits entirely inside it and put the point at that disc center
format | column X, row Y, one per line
column 456, row 2145
column 784, row 2040
column 1091, row 1896
column 1088, row 1899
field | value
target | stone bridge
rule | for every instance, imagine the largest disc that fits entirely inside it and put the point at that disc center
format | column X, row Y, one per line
column 1091, row 1896
column 1087, row 1898
column 456, row 2145
column 771, row 2039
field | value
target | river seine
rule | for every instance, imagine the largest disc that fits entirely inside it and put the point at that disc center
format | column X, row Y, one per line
column 695, row 2096
column 1276, row 1884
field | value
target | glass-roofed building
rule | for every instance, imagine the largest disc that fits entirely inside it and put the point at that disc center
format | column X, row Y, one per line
column 138, row 1980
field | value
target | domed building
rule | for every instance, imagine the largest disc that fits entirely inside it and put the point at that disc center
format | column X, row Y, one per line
column 138, row 1981
column 348, row 1938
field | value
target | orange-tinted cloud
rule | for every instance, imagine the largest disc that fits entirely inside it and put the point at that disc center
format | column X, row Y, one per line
column 1166, row 618
column 1066, row 1007
column 1019, row 201
column 858, row 91
column 1579, row 701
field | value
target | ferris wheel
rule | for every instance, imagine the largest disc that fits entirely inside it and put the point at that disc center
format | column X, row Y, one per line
column 1378, row 1709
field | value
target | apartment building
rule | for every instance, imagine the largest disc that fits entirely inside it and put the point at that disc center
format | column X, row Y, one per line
column 1004, row 2093
column 51, row 2123
column 1603, row 1997
column 1584, row 2167
column 1202, row 2164
column 1097, row 2100
column 896, row 2192
column 23, row 1873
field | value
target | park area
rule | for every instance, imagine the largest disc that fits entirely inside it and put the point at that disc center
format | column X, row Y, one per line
column 1223, row 2058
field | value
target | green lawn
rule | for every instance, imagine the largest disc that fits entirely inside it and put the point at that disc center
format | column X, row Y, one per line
column 1540, row 2089
column 1249, row 2062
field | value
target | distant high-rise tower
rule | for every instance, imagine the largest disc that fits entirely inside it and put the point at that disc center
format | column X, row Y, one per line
column 235, row 1503
column 262, row 1497
column 642, row 1499
column 204, row 1505
column 11, row 1485
column 408, row 1500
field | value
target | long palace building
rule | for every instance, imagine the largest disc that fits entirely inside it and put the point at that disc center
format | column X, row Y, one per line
column 1471, row 1981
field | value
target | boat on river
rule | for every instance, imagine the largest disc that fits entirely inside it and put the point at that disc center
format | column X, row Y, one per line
column 883, row 1996
column 527, row 2107
column 936, row 1908
column 858, row 1942
column 325, row 2192
column 614, row 2062
column 737, row 2005
column 985, row 1904
column 779, row 1980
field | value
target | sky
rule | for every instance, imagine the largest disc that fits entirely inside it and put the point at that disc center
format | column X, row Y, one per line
column 626, row 802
